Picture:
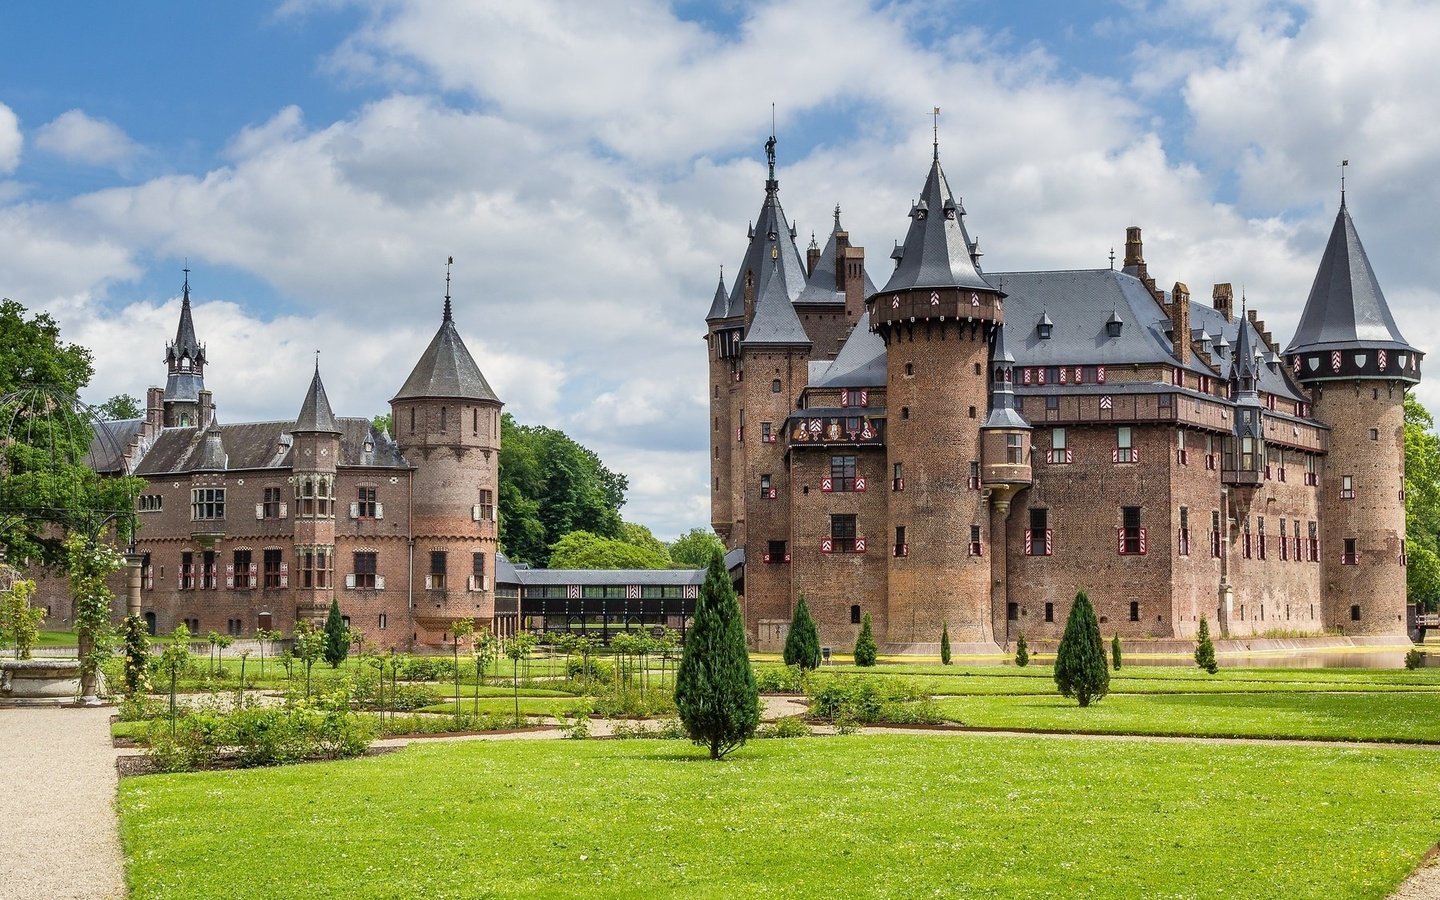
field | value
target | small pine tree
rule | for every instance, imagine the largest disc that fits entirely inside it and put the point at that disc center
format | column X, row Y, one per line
column 1022, row 652
column 865, row 649
column 1080, row 669
column 802, row 644
column 337, row 637
column 1205, row 649
column 715, row 689
column 945, row 644
column 1115, row 652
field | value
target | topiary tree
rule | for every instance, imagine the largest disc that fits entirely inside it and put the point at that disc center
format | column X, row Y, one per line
column 1204, row 649
column 715, row 687
column 802, row 644
column 1115, row 652
column 865, row 649
column 1022, row 652
column 337, row 638
column 945, row 644
column 1080, row 669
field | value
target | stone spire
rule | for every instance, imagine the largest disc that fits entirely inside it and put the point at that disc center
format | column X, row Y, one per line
column 315, row 413
column 446, row 369
column 937, row 252
column 721, row 303
column 772, row 253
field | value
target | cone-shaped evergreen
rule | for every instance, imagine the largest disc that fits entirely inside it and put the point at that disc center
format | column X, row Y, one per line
column 1022, row 652
column 945, row 644
column 1080, row 669
column 802, row 645
column 715, row 686
column 865, row 649
column 337, row 638
column 1204, row 649
column 1115, row 652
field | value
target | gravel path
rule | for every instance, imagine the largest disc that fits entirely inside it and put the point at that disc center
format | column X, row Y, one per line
column 57, row 805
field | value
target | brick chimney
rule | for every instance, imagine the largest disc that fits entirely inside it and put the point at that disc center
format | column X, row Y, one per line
column 155, row 409
column 812, row 255
column 1135, row 251
column 1180, row 321
column 1224, row 298
column 207, row 410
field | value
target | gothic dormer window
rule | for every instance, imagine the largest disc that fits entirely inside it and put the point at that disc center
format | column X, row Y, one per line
column 1113, row 325
column 1044, row 327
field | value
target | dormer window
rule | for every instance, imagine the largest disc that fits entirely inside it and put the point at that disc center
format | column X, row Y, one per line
column 1113, row 325
column 1044, row 327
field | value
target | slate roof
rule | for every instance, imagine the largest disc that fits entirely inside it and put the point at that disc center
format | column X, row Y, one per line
column 315, row 413
column 1002, row 398
column 771, row 254
column 186, row 343
column 446, row 370
column 936, row 252
column 775, row 320
column 720, row 304
column 109, row 443
column 820, row 286
column 1346, row 308
column 860, row 363
column 265, row 445
column 538, row 577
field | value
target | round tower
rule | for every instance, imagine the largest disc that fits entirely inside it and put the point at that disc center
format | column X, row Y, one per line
column 1357, row 366
column 315, row 453
column 937, row 315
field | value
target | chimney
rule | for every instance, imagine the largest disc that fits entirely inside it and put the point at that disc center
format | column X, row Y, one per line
column 1224, row 297
column 1180, row 321
column 850, row 276
column 842, row 244
column 812, row 255
column 749, row 295
column 207, row 410
column 1135, row 251
column 155, row 409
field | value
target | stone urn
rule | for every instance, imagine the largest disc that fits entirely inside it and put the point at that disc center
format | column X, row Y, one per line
column 39, row 680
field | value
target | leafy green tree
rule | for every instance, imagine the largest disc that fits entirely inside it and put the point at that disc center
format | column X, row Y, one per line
column 1080, row 669
column 89, row 564
column 1115, row 652
column 308, row 645
column 484, row 649
column 639, row 536
column 945, row 644
column 173, row 660
column 802, row 644
column 715, row 687
column 1022, row 652
column 519, row 648
column 1422, row 506
column 1205, row 648
column 865, row 649
column 264, row 636
column 584, row 550
column 337, row 640
column 120, row 406
column 383, row 423
column 461, row 630
column 693, row 549
column 19, row 624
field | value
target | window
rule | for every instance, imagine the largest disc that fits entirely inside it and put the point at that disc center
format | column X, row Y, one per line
column 766, row 434
column 974, row 475
column 275, row 572
column 1134, row 610
column 1246, row 546
column 1182, row 455
column 364, row 570
column 1297, row 540
column 1014, row 450
column 898, row 477
column 232, row 627
column 854, row 397
column 904, row 412
column 1012, row 611
column 901, row 547
column 1355, row 612
column 909, row 369
column 435, row 581
column 1311, row 476
column 1037, row 537
column 1351, row 558
column 1347, row 488
column 270, row 507
column 315, row 567
column 1284, row 544
column 1374, row 434
column 1049, row 611
column 210, row 578
column 244, row 581
column 775, row 386
column 1124, row 452
column 187, row 571
column 765, row 489
column 1314, row 539
column 972, row 412
column 1260, row 527
column 775, row 552
column 855, row 614
column 444, row 419
column 842, row 473
column 487, row 505
column 314, row 496
column 192, row 626
column 977, row 548
column 842, row 533
column 1052, row 401
column 1215, row 534
column 1184, row 533
column 475, row 421
column 1132, row 536
column 149, row 503
column 1059, row 450
column 207, row 504
column 1247, row 453
column 382, row 621
column 365, row 503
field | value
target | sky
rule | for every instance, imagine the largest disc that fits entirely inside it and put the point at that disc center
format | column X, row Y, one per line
column 592, row 166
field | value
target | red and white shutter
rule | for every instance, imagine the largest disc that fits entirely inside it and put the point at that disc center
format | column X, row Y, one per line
column 1029, row 542
column 827, row 545
column 1114, row 454
column 865, row 396
column 254, row 571
column 827, row 484
column 859, row 545
column 1064, row 375
column 284, row 575
column 1120, row 541
column 1099, row 374
column 844, row 398
column 1049, row 542
column 230, row 576
column 1144, row 545
column 860, row 483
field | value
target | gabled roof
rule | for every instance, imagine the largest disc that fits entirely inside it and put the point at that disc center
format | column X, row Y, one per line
column 936, row 253
column 775, row 320
column 1346, row 307
column 315, row 412
column 109, row 442
column 772, row 253
column 265, row 445
column 860, row 363
column 720, row 304
column 820, row 286
column 446, row 369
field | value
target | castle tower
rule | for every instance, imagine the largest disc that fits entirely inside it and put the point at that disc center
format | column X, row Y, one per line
column 1005, row 468
column 447, row 423
column 937, row 315
column 315, row 451
column 186, row 402
column 833, row 298
column 723, row 337
column 1349, row 353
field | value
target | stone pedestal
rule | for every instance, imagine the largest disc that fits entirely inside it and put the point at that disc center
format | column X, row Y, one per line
column 49, row 681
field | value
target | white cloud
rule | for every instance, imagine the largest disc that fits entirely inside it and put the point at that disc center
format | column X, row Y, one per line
column 11, row 140
column 79, row 138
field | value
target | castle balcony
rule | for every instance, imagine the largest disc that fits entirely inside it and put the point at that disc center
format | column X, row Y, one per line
column 1005, row 458
column 940, row 304
column 836, row 427
column 1241, row 477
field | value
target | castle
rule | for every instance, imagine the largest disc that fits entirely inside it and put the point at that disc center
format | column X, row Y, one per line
column 965, row 449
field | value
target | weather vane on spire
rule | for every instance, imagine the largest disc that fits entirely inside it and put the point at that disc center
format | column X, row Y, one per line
column 1344, row 163
column 449, row 261
column 770, row 144
column 317, row 361
column 935, row 131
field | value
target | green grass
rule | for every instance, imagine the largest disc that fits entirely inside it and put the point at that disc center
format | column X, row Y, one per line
column 1160, row 680
column 872, row 816
column 529, row 706
column 56, row 639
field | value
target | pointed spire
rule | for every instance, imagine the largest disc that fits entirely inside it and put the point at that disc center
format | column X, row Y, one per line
column 1244, row 371
column 823, row 285
column 186, row 343
column 721, row 301
column 315, row 413
column 775, row 321
column 1002, row 387
column 450, row 261
column 772, row 252
column 213, row 457
column 937, row 250
column 446, row 370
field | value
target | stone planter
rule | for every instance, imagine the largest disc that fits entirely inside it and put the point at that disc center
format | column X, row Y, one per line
column 39, row 680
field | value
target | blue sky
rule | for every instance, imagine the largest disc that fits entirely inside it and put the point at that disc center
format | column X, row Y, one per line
column 591, row 166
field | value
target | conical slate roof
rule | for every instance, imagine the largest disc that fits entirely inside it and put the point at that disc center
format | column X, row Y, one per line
column 721, row 304
column 186, row 343
column 936, row 253
column 772, row 253
column 775, row 320
column 820, row 286
column 315, row 412
column 446, row 369
column 1346, row 308
column 1002, row 397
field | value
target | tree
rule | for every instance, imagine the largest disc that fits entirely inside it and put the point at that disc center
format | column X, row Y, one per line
column 1205, row 648
column 19, row 624
column 1115, row 652
column 337, row 641
column 120, row 406
column 308, row 646
column 865, row 649
column 1022, row 651
column 484, row 649
column 693, row 549
column 1422, row 506
column 584, row 550
column 802, row 644
column 1080, row 669
column 460, row 630
column 173, row 660
column 715, row 687
column 89, row 564
column 517, row 648
column 945, row 644
column 639, row 536
column 383, row 423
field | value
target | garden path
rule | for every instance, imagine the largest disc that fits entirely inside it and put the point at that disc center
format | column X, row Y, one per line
column 57, row 803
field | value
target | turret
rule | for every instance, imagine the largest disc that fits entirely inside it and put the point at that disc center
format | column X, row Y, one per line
column 314, row 454
column 185, row 372
column 1350, row 354
column 1244, row 462
column 1005, row 435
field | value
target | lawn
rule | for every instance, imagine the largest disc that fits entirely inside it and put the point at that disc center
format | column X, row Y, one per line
column 888, row 816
